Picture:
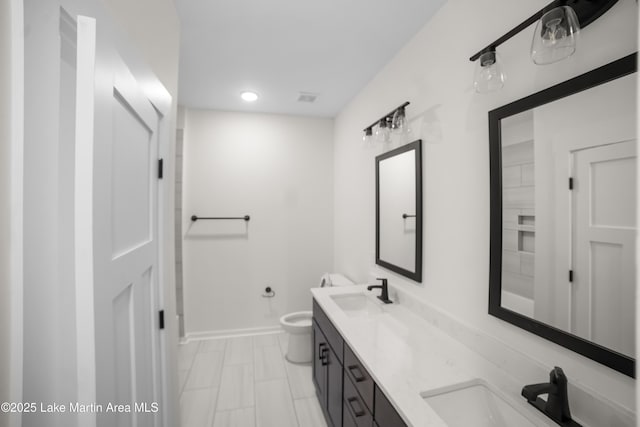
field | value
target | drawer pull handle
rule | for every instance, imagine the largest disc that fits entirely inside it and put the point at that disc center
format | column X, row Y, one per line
column 324, row 356
column 357, row 373
column 320, row 348
column 356, row 412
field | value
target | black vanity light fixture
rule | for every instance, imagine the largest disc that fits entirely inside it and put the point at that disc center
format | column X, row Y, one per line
column 395, row 121
column 555, row 37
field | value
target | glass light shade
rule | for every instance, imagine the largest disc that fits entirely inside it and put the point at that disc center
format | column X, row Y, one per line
column 382, row 132
column 555, row 36
column 488, row 76
column 368, row 137
column 400, row 124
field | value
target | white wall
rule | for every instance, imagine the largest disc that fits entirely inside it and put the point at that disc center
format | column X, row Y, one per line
column 277, row 169
column 11, row 86
column 433, row 73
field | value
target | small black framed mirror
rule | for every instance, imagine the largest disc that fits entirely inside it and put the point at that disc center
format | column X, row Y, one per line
column 563, row 189
column 399, row 210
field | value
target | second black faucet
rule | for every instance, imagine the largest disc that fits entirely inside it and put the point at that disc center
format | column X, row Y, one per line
column 556, row 406
column 384, row 295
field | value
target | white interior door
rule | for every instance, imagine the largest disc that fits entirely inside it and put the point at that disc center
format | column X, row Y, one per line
column 125, row 286
column 604, row 234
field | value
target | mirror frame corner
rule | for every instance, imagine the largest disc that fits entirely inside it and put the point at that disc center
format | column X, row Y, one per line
column 417, row 274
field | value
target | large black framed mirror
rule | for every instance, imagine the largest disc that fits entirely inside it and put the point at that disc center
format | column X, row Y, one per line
column 399, row 210
column 563, row 213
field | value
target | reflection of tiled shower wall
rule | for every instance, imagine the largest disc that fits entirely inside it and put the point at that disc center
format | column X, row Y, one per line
column 178, row 231
column 518, row 250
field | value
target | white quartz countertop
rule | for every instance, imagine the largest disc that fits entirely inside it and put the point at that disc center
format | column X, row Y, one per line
column 407, row 355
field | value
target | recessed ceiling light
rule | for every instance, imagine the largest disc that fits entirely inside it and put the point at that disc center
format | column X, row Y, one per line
column 249, row 96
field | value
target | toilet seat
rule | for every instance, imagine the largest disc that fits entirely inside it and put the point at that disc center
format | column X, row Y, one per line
column 297, row 322
column 298, row 325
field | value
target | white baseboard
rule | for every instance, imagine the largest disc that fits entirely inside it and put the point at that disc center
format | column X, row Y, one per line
column 231, row 333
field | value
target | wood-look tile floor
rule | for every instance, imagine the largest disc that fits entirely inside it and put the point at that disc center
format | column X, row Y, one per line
column 245, row 382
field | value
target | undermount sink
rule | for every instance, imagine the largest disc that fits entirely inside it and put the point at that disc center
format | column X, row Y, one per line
column 357, row 305
column 473, row 403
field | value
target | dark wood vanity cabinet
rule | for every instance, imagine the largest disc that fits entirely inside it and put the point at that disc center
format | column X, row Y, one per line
column 347, row 393
column 327, row 368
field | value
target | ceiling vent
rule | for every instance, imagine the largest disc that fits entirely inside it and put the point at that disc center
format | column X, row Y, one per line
column 307, row 97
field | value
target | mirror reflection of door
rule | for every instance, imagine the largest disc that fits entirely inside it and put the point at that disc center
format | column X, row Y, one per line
column 568, row 254
column 603, row 235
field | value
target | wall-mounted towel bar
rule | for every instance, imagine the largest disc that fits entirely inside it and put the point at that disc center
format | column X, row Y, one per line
column 195, row 218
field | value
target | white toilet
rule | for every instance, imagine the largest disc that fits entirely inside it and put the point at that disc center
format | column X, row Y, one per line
column 298, row 324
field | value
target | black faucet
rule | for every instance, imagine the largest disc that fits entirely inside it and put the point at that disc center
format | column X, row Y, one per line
column 556, row 406
column 384, row 295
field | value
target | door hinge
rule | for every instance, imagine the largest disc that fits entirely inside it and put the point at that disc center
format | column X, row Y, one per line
column 570, row 183
column 161, row 319
column 160, row 168
column 570, row 275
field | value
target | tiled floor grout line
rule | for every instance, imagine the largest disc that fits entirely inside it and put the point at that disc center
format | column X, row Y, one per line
column 255, row 397
column 286, row 374
column 193, row 359
column 215, row 404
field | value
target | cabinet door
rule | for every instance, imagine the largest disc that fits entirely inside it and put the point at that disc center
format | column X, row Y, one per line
column 384, row 413
column 334, row 388
column 320, row 357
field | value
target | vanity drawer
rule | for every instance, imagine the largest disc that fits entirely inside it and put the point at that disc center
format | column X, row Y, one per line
column 355, row 411
column 384, row 413
column 359, row 376
column 330, row 332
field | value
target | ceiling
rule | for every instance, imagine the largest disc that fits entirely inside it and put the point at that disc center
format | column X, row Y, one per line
column 280, row 48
